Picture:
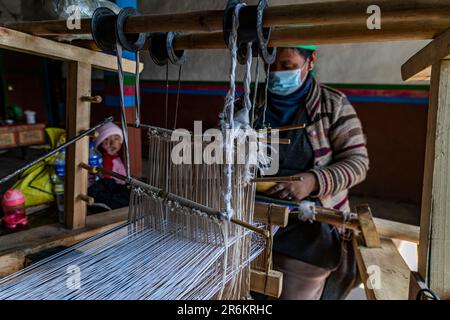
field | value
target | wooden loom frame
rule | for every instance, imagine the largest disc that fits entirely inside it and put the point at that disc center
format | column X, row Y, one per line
column 432, row 62
column 80, row 62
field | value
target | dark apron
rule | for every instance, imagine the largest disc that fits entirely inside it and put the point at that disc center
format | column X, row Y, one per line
column 315, row 243
column 311, row 242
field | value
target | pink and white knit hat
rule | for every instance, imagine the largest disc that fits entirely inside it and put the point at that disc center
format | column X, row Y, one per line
column 106, row 131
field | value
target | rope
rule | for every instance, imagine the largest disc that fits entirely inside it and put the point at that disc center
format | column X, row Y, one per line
column 122, row 108
column 426, row 292
column 178, row 97
column 247, row 84
column 268, row 250
column 255, row 92
column 166, row 122
column 137, row 94
column 265, row 96
column 227, row 117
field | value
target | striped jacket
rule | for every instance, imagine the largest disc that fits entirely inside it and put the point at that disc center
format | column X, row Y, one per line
column 340, row 155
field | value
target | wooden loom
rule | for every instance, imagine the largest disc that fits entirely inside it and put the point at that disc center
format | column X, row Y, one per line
column 419, row 20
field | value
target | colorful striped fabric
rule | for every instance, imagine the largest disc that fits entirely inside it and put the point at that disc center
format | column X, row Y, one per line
column 341, row 158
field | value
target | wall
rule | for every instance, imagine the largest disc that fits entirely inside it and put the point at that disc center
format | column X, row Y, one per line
column 21, row 82
column 10, row 10
column 394, row 121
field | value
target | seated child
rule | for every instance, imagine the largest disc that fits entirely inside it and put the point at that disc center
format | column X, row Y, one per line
column 109, row 143
column 110, row 191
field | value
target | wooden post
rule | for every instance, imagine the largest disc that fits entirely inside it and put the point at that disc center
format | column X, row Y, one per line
column 78, row 119
column 383, row 271
column 368, row 228
column 434, row 246
column 416, row 283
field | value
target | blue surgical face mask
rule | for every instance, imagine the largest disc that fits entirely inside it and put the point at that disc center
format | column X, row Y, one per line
column 284, row 83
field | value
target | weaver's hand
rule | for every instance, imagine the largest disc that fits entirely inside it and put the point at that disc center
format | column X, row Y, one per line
column 297, row 190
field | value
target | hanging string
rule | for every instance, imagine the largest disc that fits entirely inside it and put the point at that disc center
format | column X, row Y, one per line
column 123, row 115
column 265, row 96
column 247, row 84
column 227, row 124
column 248, row 106
column 255, row 92
column 137, row 94
column 178, row 97
column 167, row 96
column 227, row 117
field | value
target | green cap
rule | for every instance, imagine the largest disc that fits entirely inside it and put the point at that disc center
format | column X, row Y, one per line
column 310, row 47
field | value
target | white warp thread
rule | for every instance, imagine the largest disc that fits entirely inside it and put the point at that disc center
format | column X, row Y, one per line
column 227, row 117
column 307, row 210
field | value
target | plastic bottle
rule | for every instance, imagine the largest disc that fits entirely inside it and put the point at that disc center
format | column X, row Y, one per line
column 95, row 160
column 13, row 204
column 58, row 180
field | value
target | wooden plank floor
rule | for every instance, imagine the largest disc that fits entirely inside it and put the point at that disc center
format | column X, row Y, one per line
column 383, row 271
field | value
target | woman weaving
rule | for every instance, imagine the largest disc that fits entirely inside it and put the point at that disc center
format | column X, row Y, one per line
column 329, row 155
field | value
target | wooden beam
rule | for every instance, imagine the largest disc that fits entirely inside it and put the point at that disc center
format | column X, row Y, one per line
column 275, row 214
column 343, row 33
column 326, row 216
column 427, row 185
column 418, row 67
column 434, row 253
column 49, row 27
column 424, row 75
column 397, row 230
column 326, row 34
column 368, row 229
column 385, row 228
column 22, row 42
column 270, row 284
column 78, row 119
column 329, row 12
column 383, row 271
